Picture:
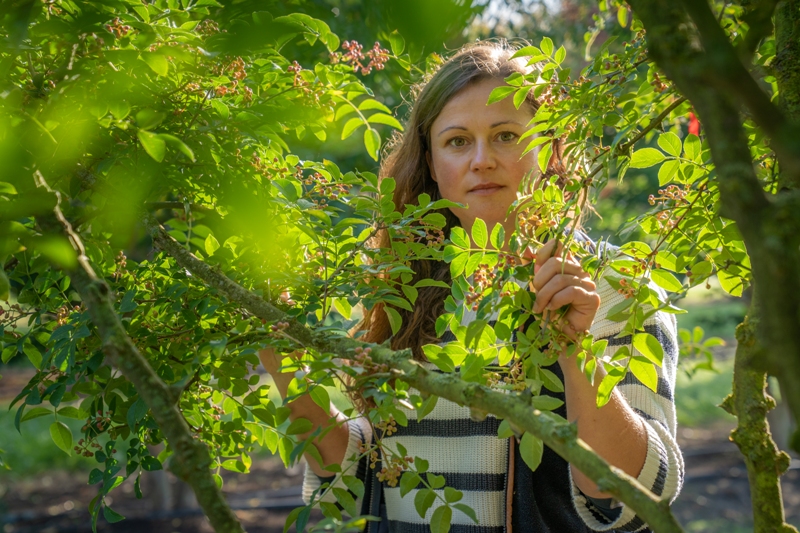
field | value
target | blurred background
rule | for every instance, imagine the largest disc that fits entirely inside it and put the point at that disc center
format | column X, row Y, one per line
column 45, row 491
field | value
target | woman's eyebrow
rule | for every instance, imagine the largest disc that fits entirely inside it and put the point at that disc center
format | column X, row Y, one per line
column 448, row 128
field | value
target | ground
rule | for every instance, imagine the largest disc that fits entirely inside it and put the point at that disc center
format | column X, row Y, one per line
column 715, row 497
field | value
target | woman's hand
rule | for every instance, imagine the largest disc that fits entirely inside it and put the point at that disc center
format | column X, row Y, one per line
column 560, row 281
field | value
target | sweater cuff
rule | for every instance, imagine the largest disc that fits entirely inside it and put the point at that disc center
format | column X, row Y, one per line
column 359, row 432
column 652, row 476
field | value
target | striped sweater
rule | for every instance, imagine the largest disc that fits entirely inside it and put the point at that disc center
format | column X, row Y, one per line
column 472, row 459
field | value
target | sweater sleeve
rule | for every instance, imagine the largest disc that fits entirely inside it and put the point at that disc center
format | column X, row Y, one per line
column 358, row 431
column 662, row 471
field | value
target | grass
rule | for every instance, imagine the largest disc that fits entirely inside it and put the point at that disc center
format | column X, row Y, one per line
column 697, row 398
column 32, row 451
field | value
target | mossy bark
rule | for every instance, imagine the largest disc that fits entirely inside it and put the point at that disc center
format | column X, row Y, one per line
column 787, row 57
column 749, row 403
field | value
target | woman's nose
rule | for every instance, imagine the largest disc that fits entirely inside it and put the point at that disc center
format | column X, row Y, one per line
column 483, row 156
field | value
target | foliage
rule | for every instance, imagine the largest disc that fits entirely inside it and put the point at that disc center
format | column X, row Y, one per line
column 190, row 110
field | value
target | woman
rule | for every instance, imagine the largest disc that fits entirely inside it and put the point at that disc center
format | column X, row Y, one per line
column 459, row 148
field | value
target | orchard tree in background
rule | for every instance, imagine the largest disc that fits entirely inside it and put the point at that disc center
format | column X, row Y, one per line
column 157, row 228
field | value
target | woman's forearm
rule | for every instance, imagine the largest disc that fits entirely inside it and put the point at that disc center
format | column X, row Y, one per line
column 614, row 431
column 333, row 444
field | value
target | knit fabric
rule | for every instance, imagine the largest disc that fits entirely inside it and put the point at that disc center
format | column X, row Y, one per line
column 472, row 459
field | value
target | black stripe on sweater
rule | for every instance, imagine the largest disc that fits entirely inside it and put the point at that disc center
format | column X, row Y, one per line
column 471, row 481
column 661, row 477
column 448, row 428
column 397, row 526
column 663, row 388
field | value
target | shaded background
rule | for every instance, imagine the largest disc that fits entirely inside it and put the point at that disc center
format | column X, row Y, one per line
column 43, row 490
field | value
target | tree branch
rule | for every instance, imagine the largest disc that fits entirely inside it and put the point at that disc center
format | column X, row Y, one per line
column 787, row 57
column 192, row 461
column 722, row 66
column 759, row 20
column 554, row 431
column 749, row 403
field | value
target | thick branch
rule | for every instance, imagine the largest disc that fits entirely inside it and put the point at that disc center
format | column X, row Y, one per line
column 555, row 432
column 787, row 57
column 191, row 458
column 749, row 403
column 759, row 20
column 723, row 67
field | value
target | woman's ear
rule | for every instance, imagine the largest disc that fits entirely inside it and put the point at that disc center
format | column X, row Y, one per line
column 429, row 159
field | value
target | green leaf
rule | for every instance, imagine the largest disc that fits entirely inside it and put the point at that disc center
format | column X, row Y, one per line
column 561, row 54
column 111, row 516
column 649, row 347
column 370, row 104
column 220, row 107
column 551, row 381
column 300, row 425
column 546, row 403
column 157, row 62
column 670, row 143
column 153, row 144
column 151, row 464
column 467, row 510
column 5, row 286
column 531, row 450
column 459, row 237
column 321, row 397
column 423, row 501
column 211, row 245
column 396, row 43
column 731, row 284
column 546, row 46
column 383, row 118
column 36, row 412
column 691, row 147
column 622, row 15
column 177, row 143
column 395, row 320
column 479, row 234
column 350, row 126
column 499, row 93
column 667, row 171
column 498, row 236
column 33, row 354
column 346, row 500
column 610, row 381
column 441, row 518
column 521, row 94
column 646, row 157
column 644, row 372
column 452, row 495
column 62, row 436
column 355, row 485
column 543, row 159
column 72, row 412
column 372, row 142
column 408, row 482
column 666, row 280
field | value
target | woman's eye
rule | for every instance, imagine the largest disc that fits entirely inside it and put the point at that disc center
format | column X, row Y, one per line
column 457, row 141
column 507, row 136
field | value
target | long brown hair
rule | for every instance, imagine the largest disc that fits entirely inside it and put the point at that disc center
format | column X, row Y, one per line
column 406, row 162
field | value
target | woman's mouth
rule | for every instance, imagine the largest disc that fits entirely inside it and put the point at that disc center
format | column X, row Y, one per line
column 485, row 189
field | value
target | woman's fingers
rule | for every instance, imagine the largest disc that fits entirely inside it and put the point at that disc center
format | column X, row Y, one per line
column 555, row 293
column 551, row 248
column 556, row 266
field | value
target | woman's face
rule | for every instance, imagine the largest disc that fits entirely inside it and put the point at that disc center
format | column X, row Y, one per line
column 474, row 155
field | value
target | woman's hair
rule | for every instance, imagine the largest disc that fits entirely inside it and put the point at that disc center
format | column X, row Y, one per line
column 406, row 162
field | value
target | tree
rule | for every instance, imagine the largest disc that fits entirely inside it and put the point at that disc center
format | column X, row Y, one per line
column 156, row 230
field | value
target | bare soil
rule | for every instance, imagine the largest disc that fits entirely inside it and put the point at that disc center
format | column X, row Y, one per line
column 715, row 496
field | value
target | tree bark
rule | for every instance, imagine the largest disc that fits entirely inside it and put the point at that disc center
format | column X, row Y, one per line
column 749, row 403
column 769, row 225
column 191, row 458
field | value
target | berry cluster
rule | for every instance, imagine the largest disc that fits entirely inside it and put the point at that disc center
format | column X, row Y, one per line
column 98, row 422
column 314, row 93
column 236, row 70
column 208, row 27
column 626, row 290
column 119, row 29
column 319, row 184
column 120, row 263
column 84, row 445
column 658, row 85
column 378, row 57
column 393, row 469
column 672, row 193
column 366, row 362
column 484, row 278
column 279, row 327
